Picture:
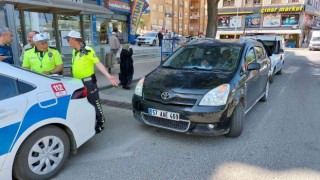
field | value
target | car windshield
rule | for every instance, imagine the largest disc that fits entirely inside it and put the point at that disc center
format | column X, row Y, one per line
column 149, row 35
column 316, row 39
column 204, row 57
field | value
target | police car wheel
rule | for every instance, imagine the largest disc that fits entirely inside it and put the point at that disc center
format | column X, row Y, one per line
column 42, row 154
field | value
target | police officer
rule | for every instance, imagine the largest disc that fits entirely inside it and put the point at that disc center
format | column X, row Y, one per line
column 83, row 61
column 42, row 58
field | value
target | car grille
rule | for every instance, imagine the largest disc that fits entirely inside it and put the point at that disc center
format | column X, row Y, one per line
column 180, row 126
column 172, row 101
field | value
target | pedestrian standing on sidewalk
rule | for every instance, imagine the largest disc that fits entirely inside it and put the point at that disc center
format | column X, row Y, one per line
column 114, row 46
column 160, row 37
column 126, row 66
column 83, row 61
column 30, row 44
column 5, row 39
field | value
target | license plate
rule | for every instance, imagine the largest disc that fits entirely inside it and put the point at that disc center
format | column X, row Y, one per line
column 163, row 114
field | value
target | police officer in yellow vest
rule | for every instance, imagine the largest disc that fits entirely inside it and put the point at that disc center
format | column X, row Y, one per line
column 42, row 58
column 83, row 61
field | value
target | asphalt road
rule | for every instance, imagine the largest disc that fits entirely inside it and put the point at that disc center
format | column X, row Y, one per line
column 280, row 139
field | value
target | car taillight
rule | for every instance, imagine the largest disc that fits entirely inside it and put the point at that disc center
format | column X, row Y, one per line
column 80, row 93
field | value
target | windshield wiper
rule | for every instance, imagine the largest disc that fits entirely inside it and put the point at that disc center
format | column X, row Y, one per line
column 169, row 67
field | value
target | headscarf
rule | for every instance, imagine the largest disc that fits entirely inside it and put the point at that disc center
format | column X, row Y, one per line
column 125, row 46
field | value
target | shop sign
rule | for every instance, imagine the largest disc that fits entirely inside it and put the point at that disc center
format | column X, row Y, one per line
column 137, row 8
column 235, row 21
column 282, row 9
column 289, row 19
column 117, row 5
column 271, row 20
column 223, row 21
column 119, row 17
column 253, row 21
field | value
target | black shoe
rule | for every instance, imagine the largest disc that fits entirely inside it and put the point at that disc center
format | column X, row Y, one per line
column 125, row 87
column 99, row 128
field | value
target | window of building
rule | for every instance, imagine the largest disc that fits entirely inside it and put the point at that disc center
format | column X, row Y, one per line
column 252, row 2
column 160, row 8
column 293, row 1
column 161, row 22
column 180, row 15
column 155, row 21
column 154, row 7
column 275, row 1
column 228, row 2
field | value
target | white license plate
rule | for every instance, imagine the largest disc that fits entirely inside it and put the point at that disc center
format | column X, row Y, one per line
column 163, row 114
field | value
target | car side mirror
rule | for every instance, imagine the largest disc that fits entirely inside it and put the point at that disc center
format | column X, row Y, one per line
column 254, row 66
column 281, row 51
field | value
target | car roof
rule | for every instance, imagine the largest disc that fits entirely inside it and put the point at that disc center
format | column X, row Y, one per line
column 265, row 37
column 214, row 42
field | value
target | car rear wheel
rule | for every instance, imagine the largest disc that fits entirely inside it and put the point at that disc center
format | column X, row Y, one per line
column 266, row 93
column 236, row 121
column 42, row 154
column 271, row 76
column 280, row 71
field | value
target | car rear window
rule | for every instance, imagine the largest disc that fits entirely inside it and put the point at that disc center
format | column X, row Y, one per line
column 271, row 45
column 223, row 57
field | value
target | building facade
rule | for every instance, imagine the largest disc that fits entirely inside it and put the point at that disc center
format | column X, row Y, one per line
column 294, row 20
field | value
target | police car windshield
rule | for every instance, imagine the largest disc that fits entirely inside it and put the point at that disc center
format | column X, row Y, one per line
column 51, row 77
column 150, row 35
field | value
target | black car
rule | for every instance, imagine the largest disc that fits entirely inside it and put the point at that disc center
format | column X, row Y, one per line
column 205, row 88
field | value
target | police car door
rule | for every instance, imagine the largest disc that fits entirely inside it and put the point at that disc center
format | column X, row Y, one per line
column 12, row 109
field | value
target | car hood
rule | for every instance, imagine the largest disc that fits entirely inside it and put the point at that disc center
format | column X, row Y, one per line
column 185, row 81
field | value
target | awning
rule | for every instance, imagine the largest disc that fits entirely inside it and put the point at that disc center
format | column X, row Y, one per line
column 57, row 6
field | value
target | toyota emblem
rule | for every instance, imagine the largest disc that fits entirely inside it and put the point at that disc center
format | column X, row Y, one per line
column 165, row 95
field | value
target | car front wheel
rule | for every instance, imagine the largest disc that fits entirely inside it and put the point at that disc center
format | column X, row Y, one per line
column 236, row 121
column 266, row 93
column 42, row 154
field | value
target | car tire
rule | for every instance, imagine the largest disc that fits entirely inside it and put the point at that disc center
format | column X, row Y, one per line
column 139, row 44
column 280, row 71
column 236, row 121
column 271, row 76
column 266, row 93
column 27, row 158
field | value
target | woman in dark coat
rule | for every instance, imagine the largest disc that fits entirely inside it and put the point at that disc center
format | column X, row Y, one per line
column 126, row 66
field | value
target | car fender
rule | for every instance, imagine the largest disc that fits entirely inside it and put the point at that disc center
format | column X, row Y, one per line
column 18, row 142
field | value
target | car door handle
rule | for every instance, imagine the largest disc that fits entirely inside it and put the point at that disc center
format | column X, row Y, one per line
column 7, row 112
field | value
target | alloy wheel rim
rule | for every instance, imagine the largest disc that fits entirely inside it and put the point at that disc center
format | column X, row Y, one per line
column 46, row 155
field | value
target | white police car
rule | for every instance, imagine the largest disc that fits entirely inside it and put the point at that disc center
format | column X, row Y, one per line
column 42, row 119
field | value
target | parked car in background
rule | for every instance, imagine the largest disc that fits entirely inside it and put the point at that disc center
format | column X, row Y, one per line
column 148, row 39
column 314, row 43
column 42, row 119
column 206, row 87
column 274, row 44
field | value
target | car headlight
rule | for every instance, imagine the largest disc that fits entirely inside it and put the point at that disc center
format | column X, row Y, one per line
column 216, row 97
column 139, row 88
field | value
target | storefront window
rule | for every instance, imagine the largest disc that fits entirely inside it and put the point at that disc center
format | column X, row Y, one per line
column 67, row 23
column 41, row 22
column 105, row 27
column 87, row 30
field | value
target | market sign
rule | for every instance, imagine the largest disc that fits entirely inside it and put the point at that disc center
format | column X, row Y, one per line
column 117, row 6
column 282, row 9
